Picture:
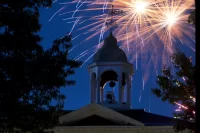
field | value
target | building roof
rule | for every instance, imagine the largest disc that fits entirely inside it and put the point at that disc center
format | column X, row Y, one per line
column 149, row 119
column 99, row 110
column 110, row 52
column 93, row 120
column 100, row 118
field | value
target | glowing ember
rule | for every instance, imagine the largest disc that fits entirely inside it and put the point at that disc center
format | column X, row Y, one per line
column 140, row 6
column 171, row 19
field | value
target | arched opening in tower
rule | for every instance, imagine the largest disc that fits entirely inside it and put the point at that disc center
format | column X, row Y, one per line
column 110, row 86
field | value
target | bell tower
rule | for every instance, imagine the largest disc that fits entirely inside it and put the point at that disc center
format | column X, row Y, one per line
column 110, row 65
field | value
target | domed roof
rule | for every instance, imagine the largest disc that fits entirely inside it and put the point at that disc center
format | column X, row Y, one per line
column 110, row 52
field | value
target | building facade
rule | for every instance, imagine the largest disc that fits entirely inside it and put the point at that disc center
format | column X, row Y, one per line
column 111, row 115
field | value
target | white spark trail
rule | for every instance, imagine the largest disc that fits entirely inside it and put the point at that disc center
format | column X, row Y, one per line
column 140, row 96
column 88, row 58
column 127, row 39
column 56, row 13
column 74, row 24
column 77, row 8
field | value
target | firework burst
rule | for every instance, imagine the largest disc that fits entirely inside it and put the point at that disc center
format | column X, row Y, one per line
column 170, row 22
column 137, row 23
column 182, row 107
column 147, row 30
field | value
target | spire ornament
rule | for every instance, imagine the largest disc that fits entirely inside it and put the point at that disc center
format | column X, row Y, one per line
column 110, row 23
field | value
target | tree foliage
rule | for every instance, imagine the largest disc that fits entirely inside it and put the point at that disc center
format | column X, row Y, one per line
column 179, row 88
column 192, row 17
column 30, row 77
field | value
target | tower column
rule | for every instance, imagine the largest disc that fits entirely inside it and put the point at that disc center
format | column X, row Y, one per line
column 120, row 88
column 129, row 91
column 98, row 89
column 93, row 90
column 102, row 91
column 122, row 94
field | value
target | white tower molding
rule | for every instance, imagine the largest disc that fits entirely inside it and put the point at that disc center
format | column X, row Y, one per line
column 110, row 64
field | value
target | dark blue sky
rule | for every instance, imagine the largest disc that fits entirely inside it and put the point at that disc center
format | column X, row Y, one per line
column 79, row 95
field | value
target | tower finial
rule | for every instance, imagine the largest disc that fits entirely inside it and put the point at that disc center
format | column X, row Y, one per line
column 112, row 12
column 110, row 34
column 111, row 23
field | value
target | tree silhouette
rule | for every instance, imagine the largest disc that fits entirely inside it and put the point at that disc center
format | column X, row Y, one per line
column 179, row 89
column 192, row 17
column 30, row 77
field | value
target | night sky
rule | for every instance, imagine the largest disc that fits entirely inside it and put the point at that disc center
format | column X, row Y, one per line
column 79, row 95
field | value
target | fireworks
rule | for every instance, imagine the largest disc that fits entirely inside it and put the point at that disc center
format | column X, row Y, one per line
column 147, row 30
column 137, row 24
column 182, row 107
column 140, row 7
column 172, row 21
